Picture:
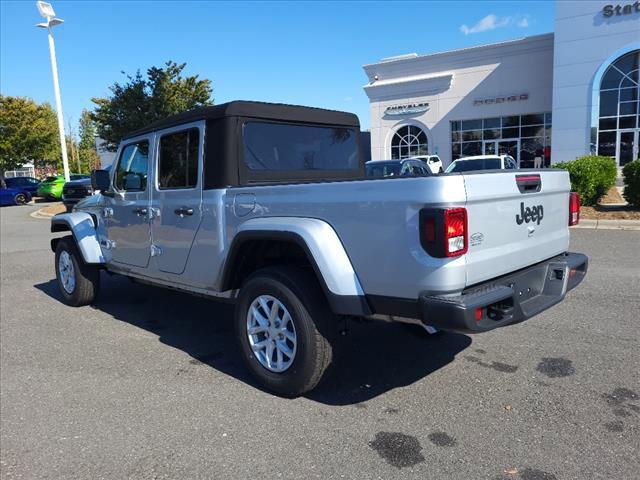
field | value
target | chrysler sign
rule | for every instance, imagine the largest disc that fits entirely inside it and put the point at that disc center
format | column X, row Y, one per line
column 407, row 109
column 501, row 99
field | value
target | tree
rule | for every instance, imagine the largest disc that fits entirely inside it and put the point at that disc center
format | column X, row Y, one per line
column 141, row 100
column 28, row 132
column 89, row 158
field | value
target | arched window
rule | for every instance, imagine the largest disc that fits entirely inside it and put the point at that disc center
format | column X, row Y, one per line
column 619, row 118
column 409, row 141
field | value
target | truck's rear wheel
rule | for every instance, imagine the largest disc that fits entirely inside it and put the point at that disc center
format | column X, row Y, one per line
column 78, row 282
column 285, row 330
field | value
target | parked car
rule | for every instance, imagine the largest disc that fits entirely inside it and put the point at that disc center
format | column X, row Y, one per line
column 51, row 187
column 284, row 223
column 29, row 184
column 433, row 162
column 396, row 168
column 482, row 162
column 75, row 190
column 13, row 196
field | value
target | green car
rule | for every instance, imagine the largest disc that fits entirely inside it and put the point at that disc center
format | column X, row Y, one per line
column 51, row 187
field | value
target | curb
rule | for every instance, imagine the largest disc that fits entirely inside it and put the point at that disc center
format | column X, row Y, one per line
column 39, row 214
column 608, row 224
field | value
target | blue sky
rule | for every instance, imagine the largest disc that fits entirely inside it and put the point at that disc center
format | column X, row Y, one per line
column 308, row 53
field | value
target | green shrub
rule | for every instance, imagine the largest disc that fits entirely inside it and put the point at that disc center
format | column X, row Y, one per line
column 591, row 176
column 631, row 172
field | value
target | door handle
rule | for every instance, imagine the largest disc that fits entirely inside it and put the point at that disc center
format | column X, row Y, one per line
column 182, row 211
column 140, row 211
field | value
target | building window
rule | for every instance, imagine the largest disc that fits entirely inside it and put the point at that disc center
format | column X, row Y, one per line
column 409, row 141
column 619, row 116
column 524, row 137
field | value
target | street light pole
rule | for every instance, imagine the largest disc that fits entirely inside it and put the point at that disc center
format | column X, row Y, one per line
column 46, row 10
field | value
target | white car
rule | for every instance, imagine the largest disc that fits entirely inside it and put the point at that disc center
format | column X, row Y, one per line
column 433, row 162
column 483, row 162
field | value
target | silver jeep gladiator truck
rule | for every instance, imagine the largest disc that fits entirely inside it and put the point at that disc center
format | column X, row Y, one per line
column 269, row 205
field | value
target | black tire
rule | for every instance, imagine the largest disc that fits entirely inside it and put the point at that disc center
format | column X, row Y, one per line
column 20, row 199
column 87, row 277
column 315, row 328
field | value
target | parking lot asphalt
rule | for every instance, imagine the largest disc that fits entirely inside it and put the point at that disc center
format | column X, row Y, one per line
column 148, row 384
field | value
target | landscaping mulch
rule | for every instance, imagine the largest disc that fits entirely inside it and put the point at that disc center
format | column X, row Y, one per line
column 601, row 212
column 612, row 196
column 54, row 209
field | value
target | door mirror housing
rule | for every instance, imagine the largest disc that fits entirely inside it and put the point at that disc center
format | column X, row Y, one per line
column 100, row 180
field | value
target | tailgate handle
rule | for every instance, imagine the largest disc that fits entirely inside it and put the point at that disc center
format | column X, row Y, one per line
column 529, row 183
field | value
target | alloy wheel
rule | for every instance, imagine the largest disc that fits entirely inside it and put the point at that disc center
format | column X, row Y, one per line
column 271, row 333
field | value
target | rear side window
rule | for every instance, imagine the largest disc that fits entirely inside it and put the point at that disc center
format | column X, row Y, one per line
column 286, row 147
column 178, row 160
column 133, row 166
column 476, row 164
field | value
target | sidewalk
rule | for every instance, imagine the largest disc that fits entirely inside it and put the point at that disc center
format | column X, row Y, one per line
column 609, row 224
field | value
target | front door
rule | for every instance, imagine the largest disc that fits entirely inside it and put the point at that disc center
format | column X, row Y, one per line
column 628, row 150
column 503, row 147
column 489, row 147
column 509, row 147
column 127, row 211
column 177, row 195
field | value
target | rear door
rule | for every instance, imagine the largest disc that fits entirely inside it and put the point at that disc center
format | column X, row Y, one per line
column 515, row 220
column 177, row 195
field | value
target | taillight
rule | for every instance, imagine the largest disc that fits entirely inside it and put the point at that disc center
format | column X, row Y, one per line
column 574, row 208
column 443, row 232
column 455, row 225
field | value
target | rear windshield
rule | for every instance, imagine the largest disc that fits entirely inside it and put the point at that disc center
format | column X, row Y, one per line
column 50, row 179
column 383, row 170
column 78, row 177
column 286, row 147
column 476, row 164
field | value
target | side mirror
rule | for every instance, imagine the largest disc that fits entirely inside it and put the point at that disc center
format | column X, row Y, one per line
column 100, row 180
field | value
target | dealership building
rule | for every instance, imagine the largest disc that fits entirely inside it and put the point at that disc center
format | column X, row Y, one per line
column 557, row 96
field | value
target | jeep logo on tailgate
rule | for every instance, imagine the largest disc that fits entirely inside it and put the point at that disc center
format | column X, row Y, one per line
column 529, row 214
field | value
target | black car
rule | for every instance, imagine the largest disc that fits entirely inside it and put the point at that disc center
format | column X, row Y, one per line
column 75, row 190
column 397, row 168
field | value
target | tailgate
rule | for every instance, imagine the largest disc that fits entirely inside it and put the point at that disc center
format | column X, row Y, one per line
column 514, row 224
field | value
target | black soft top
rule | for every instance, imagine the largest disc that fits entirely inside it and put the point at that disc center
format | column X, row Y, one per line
column 262, row 110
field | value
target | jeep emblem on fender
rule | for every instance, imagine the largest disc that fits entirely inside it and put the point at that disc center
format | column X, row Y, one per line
column 529, row 214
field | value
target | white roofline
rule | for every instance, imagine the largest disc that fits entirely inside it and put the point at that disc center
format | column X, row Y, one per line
column 403, row 58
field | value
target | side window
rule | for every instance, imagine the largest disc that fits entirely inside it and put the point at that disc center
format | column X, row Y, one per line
column 509, row 164
column 133, row 165
column 178, row 159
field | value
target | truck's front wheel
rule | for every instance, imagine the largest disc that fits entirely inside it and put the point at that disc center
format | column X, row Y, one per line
column 284, row 329
column 78, row 282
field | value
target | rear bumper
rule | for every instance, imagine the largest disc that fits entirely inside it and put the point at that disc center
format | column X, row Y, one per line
column 72, row 200
column 509, row 299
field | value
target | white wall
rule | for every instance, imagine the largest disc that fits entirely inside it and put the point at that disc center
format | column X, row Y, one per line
column 451, row 81
column 584, row 41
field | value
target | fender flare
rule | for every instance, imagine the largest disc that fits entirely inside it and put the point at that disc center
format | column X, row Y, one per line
column 83, row 228
column 323, row 248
